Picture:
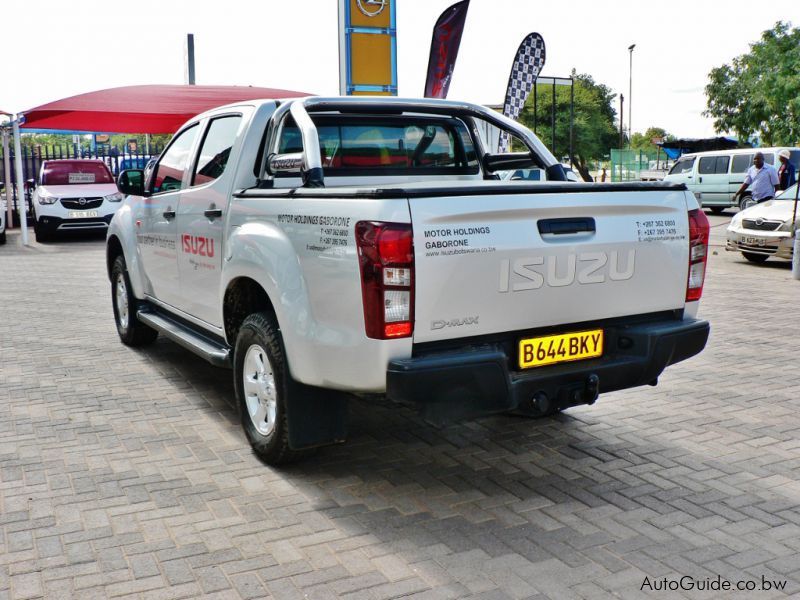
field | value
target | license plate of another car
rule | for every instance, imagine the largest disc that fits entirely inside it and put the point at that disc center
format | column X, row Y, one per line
column 753, row 241
column 82, row 214
column 565, row 347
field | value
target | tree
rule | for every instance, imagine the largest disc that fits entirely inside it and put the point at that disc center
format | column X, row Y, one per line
column 644, row 141
column 759, row 92
column 594, row 128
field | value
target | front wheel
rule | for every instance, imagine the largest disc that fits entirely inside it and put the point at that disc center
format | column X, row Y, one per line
column 755, row 258
column 131, row 330
column 41, row 234
column 746, row 202
column 717, row 210
column 2, row 237
column 262, row 383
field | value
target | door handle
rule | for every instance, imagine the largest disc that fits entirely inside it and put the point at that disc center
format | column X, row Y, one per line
column 566, row 226
column 700, row 180
column 213, row 213
column 169, row 214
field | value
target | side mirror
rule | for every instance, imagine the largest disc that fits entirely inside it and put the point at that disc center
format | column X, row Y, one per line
column 31, row 183
column 131, row 182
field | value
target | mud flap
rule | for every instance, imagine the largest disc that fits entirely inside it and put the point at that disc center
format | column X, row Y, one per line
column 315, row 416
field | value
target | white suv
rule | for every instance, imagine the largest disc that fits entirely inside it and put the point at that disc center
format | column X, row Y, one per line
column 74, row 195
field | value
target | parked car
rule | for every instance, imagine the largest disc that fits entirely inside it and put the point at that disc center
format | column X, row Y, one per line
column 765, row 229
column 716, row 176
column 73, row 195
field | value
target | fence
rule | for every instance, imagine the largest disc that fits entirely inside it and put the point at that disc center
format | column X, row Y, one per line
column 635, row 165
column 32, row 157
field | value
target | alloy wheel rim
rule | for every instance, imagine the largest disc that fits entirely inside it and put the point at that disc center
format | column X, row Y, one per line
column 260, row 393
column 122, row 302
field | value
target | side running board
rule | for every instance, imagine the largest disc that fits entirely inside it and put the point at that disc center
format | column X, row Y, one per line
column 214, row 352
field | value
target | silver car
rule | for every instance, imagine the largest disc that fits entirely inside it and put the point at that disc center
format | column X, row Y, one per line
column 765, row 229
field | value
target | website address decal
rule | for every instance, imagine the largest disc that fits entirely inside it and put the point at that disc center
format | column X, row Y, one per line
column 718, row 584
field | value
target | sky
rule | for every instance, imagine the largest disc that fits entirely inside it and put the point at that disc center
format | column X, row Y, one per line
column 76, row 46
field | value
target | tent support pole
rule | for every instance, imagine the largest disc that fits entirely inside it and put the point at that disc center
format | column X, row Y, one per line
column 21, row 204
column 7, row 172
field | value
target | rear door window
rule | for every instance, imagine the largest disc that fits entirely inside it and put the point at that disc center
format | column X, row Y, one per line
column 721, row 166
column 216, row 149
column 170, row 170
column 741, row 162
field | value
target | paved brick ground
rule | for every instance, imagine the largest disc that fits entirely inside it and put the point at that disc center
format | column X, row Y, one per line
column 124, row 473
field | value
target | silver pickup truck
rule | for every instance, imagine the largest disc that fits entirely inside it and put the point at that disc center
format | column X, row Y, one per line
column 330, row 247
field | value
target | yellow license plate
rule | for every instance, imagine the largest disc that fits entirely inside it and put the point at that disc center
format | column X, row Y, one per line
column 552, row 349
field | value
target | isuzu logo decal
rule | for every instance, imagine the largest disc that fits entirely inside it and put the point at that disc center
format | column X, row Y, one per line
column 195, row 244
column 534, row 272
column 371, row 8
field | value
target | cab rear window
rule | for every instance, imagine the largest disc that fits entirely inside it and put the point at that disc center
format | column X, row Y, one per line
column 389, row 146
column 75, row 172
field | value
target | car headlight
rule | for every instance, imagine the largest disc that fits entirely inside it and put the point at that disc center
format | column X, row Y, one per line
column 115, row 197
column 47, row 199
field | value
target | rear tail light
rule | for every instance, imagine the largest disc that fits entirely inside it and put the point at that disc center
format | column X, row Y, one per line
column 698, row 254
column 386, row 258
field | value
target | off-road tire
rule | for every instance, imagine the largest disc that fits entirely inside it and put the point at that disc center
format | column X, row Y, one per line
column 134, row 332
column 755, row 258
column 260, row 334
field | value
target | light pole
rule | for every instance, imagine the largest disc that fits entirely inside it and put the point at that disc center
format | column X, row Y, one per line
column 630, row 93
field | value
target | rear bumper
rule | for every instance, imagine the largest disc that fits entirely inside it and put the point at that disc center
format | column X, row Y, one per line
column 483, row 379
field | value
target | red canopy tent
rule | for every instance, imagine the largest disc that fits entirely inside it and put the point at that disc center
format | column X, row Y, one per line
column 141, row 108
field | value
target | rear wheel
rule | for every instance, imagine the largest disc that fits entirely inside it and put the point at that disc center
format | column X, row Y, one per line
column 2, row 237
column 263, row 387
column 755, row 258
column 131, row 330
column 746, row 202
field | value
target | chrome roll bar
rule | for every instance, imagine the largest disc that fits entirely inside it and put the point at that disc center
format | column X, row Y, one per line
column 312, row 159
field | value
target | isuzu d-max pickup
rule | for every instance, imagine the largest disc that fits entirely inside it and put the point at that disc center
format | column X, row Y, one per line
column 329, row 247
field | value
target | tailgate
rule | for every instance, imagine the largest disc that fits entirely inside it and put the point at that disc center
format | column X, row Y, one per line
column 504, row 262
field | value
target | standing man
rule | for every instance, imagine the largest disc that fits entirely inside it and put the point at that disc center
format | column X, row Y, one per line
column 762, row 179
column 786, row 170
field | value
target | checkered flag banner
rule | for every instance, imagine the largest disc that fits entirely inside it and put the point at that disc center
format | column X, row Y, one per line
column 526, row 68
